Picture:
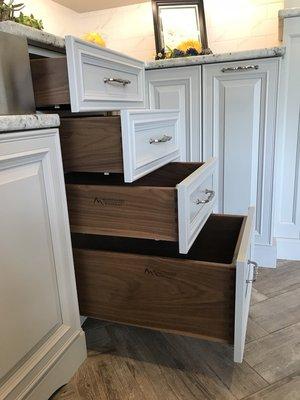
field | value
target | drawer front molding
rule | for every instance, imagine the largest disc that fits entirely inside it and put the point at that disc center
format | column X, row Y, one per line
column 150, row 139
column 120, row 79
column 195, row 203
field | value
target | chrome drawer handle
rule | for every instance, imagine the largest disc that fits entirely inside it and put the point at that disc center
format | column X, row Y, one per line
column 211, row 194
column 255, row 271
column 239, row 68
column 163, row 139
column 123, row 82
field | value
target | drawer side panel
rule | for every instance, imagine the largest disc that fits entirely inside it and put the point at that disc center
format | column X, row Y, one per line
column 160, row 293
column 130, row 211
column 91, row 144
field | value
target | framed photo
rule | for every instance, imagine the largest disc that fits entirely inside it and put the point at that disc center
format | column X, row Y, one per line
column 178, row 21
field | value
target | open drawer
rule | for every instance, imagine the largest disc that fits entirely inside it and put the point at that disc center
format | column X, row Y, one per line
column 147, row 283
column 171, row 203
column 89, row 78
column 134, row 143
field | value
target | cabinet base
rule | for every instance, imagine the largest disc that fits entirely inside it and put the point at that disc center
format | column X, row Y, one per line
column 265, row 255
column 288, row 249
column 55, row 374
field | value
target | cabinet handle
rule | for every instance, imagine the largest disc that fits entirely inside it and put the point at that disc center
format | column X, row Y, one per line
column 123, row 82
column 211, row 195
column 163, row 139
column 255, row 271
column 239, row 68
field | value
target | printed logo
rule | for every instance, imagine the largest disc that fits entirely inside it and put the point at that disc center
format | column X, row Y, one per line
column 156, row 274
column 108, row 202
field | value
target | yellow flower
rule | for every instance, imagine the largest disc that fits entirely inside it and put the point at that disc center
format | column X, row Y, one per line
column 187, row 44
column 94, row 37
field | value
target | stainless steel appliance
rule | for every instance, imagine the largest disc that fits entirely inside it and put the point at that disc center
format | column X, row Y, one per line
column 16, row 91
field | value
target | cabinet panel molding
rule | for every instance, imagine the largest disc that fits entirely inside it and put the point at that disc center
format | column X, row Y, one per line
column 180, row 88
column 38, row 300
column 239, row 124
column 287, row 198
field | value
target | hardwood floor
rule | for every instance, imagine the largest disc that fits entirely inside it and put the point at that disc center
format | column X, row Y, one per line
column 126, row 363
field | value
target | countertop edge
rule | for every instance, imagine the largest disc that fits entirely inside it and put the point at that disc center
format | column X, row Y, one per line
column 17, row 123
column 33, row 34
column 217, row 58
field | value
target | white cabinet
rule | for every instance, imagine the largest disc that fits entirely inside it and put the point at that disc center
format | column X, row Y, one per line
column 103, row 79
column 287, row 169
column 179, row 88
column 150, row 139
column 41, row 341
column 239, row 124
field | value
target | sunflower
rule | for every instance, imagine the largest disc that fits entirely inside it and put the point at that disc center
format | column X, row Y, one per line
column 190, row 44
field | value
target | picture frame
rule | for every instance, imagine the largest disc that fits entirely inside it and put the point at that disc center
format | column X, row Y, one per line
column 194, row 9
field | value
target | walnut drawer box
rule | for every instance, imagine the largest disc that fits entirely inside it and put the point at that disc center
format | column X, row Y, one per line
column 147, row 283
column 171, row 203
column 134, row 143
column 89, row 78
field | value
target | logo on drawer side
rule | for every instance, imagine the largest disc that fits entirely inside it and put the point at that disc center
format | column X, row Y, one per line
column 109, row 202
column 157, row 274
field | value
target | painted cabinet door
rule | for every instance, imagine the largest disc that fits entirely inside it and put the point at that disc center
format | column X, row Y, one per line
column 41, row 341
column 179, row 88
column 288, row 146
column 239, row 123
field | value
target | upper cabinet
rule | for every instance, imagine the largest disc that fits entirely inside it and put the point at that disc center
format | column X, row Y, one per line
column 89, row 78
column 179, row 88
column 239, row 124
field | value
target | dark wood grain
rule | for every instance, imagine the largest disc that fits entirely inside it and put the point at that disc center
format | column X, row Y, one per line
column 91, row 144
column 105, row 205
column 175, row 367
column 50, row 81
column 183, row 296
column 132, row 211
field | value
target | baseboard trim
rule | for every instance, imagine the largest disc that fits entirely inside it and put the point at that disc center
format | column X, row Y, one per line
column 266, row 255
column 60, row 372
column 49, row 373
column 288, row 249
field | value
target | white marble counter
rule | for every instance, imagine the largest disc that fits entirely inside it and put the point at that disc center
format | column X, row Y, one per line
column 215, row 58
column 14, row 123
column 289, row 13
column 32, row 34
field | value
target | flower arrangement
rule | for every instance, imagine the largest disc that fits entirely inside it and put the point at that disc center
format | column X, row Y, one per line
column 184, row 49
column 8, row 10
column 94, row 37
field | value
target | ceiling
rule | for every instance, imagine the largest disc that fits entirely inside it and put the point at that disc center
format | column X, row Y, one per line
column 94, row 5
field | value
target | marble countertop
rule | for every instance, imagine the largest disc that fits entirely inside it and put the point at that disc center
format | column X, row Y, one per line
column 32, row 34
column 56, row 41
column 282, row 15
column 215, row 58
column 289, row 12
column 14, row 123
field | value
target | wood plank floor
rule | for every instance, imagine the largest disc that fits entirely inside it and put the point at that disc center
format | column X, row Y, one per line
column 126, row 363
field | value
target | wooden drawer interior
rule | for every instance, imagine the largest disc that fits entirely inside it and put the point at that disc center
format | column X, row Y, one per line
column 91, row 143
column 216, row 243
column 147, row 208
column 50, row 81
column 149, row 284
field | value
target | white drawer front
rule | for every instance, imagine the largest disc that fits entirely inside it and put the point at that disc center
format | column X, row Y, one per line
column 196, row 200
column 150, row 139
column 102, row 79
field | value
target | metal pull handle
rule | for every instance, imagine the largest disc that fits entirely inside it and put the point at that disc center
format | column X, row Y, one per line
column 123, row 82
column 211, row 194
column 255, row 271
column 239, row 68
column 163, row 139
